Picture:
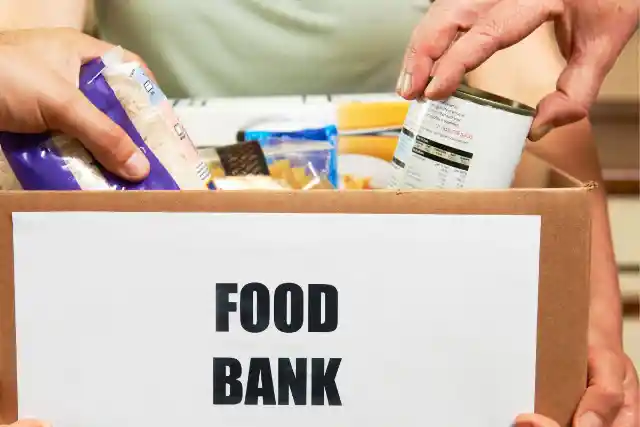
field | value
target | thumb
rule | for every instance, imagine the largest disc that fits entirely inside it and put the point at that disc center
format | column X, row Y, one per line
column 73, row 114
column 534, row 420
column 576, row 90
column 29, row 423
column 604, row 396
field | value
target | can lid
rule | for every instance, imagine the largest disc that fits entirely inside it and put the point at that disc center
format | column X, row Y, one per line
column 492, row 100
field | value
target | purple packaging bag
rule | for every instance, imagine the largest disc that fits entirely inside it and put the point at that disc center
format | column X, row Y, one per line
column 38, row 164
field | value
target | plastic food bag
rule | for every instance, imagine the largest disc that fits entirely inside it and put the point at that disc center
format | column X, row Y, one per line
column 241, row 159
column 304, row 164
column 132, row 100
column 240, row 166
column 303, row 145
column 249, row 182
column 271, row 164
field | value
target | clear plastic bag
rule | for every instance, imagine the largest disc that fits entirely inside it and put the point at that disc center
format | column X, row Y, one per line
column 304, row 164
column 309, row 145
column 285, row 163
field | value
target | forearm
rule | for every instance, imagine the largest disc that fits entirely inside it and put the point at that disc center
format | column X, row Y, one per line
column 514, row 74
column 21, row 14
column 606, row 310
column 571, row 148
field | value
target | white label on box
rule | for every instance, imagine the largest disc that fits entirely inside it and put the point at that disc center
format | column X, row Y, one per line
column 275, row 320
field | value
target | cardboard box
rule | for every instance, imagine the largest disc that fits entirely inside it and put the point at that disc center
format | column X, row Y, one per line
column 561, row 369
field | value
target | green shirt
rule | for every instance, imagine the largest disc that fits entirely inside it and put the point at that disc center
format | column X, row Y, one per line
column 209, row 48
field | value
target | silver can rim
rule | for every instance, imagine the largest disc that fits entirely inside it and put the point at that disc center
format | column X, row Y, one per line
column 482, row 97
column 489, row 99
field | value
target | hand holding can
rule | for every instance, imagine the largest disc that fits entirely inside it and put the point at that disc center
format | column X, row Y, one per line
column 456, row 37
column 472, row 140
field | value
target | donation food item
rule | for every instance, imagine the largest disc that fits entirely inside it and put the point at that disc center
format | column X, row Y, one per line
column 242, row 159
column 241, row 166
column 473, row 139
column 290, row 163
column 275, row 132
column 350, row 182
column 249, row 182
column 304, row 164
column 132, row 100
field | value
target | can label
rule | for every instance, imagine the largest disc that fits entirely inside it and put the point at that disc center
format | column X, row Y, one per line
column 458, row 143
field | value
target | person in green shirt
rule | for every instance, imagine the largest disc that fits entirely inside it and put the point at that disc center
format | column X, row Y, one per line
column 267, row 47
column 264, row 47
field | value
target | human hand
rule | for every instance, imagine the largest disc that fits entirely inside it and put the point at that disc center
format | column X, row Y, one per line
column 590, row 34
column 39, row 74
column 611, row 399
column 28, row 423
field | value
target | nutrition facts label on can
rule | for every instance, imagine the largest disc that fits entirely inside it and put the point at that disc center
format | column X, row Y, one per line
column 420, row 161
column 450, row 165
column 458, row 143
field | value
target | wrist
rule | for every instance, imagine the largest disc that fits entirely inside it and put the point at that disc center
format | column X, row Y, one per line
column 605, row 326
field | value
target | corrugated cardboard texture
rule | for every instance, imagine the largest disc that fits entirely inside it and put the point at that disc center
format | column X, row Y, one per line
column 564, row 271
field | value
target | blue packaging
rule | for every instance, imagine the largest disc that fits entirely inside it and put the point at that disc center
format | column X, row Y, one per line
column 322, row 158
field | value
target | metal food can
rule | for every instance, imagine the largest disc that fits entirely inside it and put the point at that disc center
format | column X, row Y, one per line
column 473, row 139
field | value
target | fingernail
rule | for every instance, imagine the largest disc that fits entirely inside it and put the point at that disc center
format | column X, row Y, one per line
column 399, row 83
column 136, row 166
column 590, row 419
column 407, row 84
column 431, row 87
column 404, row 83
column 538, row 133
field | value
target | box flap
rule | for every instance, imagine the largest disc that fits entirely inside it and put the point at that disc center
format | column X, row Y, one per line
column 564, row 263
